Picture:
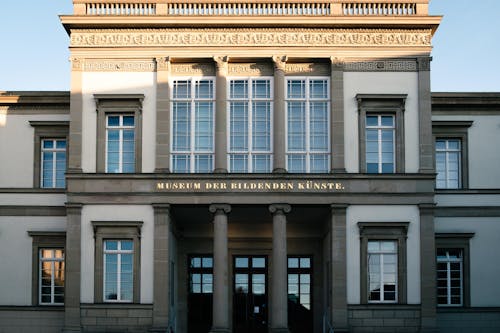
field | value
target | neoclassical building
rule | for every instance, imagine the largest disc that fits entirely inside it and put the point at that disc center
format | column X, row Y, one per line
column 260, row 166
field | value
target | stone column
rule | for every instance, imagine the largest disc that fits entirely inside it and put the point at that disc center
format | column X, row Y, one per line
column 426, row 152
column 338, row 268
column 72, row 255
column 162, row 149
column 337, row 115
column 427, row 268
column 221, row 64
column 279, row 112
column 76, row 111
column 220, row 321
column 161, row 260
column 279, row 298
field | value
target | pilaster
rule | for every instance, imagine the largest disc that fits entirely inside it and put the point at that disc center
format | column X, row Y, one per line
column 426, row 148
column 220, row 320
column 162, row 148
column 279, row 298
column 221, row 64
column 76, row 111
column 337, row 115
column 279, row 118
column 72, row 321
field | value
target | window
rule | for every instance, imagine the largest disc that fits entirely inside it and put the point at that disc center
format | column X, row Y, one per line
column 300, row 317
column 193, row 108
column 200, row 293
column 308, row 121
column 51, row 277
column 382, row 271
column 117, row 261
column 50, row 159
column 380, row 145
column 119, row 132
column 48, row 267
column 383, row 262
column 453, row 269
column 118, row 270
column 120, row 143
column 53, row 164
column 448, row 158
column 450, row 141
column 381, row 133
column 249, row 121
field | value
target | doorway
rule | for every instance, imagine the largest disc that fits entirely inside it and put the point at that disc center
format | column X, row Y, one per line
column 250, row 306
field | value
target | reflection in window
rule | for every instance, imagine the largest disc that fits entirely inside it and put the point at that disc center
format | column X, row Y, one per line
column 449, row 277
column 250, row 125
column 53, row 163
column 380, row 143
column 299, row 281
column 192, row 125
column 382, row 271
column 118, row 270
column 307, row 101
column 51, row 277
column 201, row 275
column 120, row 143
column 448, row 156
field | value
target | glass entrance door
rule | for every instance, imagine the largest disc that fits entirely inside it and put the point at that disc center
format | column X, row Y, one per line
column 250, row 294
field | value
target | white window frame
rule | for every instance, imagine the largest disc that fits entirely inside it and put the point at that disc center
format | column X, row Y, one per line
column 379, row 127
column 119, row 252
column 192, row 153
column 447, row 152
column 54, row 152
column 120, row 128
column 52, row 260
column 307, row 152
column 448, row 261
column 250, row 152
column 382, row 255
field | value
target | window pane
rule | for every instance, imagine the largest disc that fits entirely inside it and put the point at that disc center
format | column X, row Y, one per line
column 296, row 89
column 293, row 262
column 241, row 262
column 258, row 262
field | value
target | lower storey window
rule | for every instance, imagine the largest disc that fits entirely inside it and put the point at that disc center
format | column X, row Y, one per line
column 51, row 277
column 382, row 271
column 118, row 270
column 449, row 277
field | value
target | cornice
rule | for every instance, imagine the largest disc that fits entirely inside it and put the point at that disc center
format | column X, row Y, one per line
column 244, row 37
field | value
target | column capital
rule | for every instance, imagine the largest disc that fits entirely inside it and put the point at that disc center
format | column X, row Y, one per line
column 279, row 62
column 162, row 63
column 220, row 208
column 280, row 209
column 337, row 208
column 337, row 63
column 73, row 208
column 77, row 64
column 424, row 64
column 160, row 208
column 427, row 208
column 221, row 63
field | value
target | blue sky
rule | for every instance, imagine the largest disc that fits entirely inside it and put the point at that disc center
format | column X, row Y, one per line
column 34, row 53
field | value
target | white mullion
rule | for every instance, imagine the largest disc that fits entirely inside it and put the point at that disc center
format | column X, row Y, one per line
column 54, row 165
column 120, row 144
column 382, row 297
column 250, row 126
column 307, row 114
column 192, row 118
column 118, row 272
column 52, row 272
column 379, row 142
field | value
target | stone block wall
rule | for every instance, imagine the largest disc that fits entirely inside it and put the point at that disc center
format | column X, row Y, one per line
column 31, row 319
column 384, row 318
column 483, row 320
column 116, row 317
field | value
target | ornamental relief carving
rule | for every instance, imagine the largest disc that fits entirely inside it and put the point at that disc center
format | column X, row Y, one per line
column 381, row 66
column 102, row 65
column 251, row 37
column 181, row 69
column 307, row 69
column 250, row 69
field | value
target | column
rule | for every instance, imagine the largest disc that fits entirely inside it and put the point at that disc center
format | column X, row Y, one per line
column 337, row 122
column 161, row 260
column 73, row 274
column 221, row 64
column 162, row 149
column 427, row 268
column 279, row 119
column 279, row 298
column 220, row 321
column 425, row 116
column 75, row 124
column 338, row 311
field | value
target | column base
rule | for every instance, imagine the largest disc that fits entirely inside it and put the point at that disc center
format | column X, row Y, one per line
column 279, row 170
column 220, row 170
column 219, row 330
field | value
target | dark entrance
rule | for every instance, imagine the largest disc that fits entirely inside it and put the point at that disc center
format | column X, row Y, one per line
column 200, row 293
column 250, row 294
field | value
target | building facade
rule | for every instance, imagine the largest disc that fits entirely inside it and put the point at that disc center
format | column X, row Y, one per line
column 249, row 167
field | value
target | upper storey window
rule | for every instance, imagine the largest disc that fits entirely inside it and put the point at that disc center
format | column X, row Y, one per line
column 308, row 118
column 193, row 107
column 380, row 143
column 448, row 166
column 120, row 143
column 249, row 120
column 53, row 163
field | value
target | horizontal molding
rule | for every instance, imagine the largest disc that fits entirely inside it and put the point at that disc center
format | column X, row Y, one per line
column 468, row 191
column 471, row 211
column 476, row 309
column 33, row 190
column 24, row 308
column 32, row 210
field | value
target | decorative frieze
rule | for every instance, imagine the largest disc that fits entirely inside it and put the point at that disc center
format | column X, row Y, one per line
column 250, row 37
column 188, row 69
column 117, row 65
column 307, row 69
column 398, row 65
column 250, row 69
